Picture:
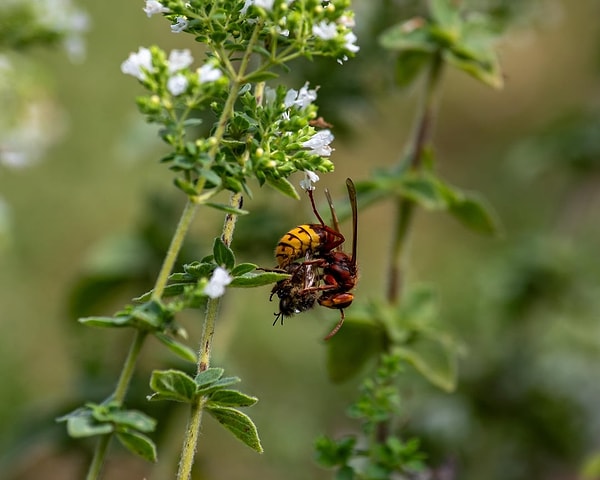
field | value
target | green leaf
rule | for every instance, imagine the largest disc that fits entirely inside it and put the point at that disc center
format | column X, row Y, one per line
column 187, row 187
column 132, row 419
column 284, row 186
column 227, row 208
column 345, row 473
column 410, row 36
column 223, row 255
column 151, row 315
column 231, row 398
column 179, row 349
column 445, row 13
column 172, row 385
column 218, row 385
column 352, row 348
column 409, row 64
column 138, row 444
column 85, row 426
column 332, row 453
column 424, row 190
column 440, row 372
column 242, row 268
column 104, row 322
column 248, row 280
column 261, row 76
column 484, row 67
column 239, row 424
column 208, row 377
column 203, row 269
column 475, row 213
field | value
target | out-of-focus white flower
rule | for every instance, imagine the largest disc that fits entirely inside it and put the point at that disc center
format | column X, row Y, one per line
column 179, row 59
column 310, row 178
column 266, row 4
column 217, row 283
column 284, row 32
column 177, row 84
column 137, row 63
column 154, row 7
column 318, row 144
column 350, row 45
column 347, row 21
column 208, row 73
column 181, row 25
column 325, row 30
column 38, row 126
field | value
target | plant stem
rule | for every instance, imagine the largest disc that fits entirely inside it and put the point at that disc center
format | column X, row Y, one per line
column 405, row 207
column 212, row 307
column 174, row 248
column 208, row 331
column 140, row 336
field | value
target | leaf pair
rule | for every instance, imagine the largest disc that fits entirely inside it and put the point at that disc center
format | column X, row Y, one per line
column 432, row 193
column 110, row 417
column 209, row 390
column 463, row 41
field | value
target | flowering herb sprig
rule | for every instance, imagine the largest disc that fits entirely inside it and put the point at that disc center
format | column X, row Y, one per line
column 251, row 133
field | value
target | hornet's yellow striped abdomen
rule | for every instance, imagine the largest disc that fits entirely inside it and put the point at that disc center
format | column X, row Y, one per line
column 299, row 241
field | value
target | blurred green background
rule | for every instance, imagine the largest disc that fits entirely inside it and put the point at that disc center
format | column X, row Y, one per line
column 89, row 223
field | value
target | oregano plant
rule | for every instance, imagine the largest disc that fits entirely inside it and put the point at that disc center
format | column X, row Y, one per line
column 404, row 327
column 256, row 134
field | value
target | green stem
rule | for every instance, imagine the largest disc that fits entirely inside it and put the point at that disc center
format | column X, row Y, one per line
column 98, row 458
column 191, row 440
column 140, row 336
column 404, row 207
column 174, row 248
column 212, row 309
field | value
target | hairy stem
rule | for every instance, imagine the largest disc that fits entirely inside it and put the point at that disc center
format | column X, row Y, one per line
column 212, row 308
column 405, row 207
column 208, row 331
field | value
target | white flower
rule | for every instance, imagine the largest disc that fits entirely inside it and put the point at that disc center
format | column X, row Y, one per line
column 137, row 63
column 208, row 73
column 347, row 21
column 350, row 39
column 266, row 4
column 325, row 30
column 181, row 25
column 309, row 179
column 318, row 144
column 179, row 59
column 177, row 84
column 301, row 99
column 153, row 7
column 306, row 96
column 216, row 285
column 284, row 32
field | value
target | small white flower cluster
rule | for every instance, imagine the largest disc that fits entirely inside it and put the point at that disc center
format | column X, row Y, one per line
column 140, row 64
column 318, row 144
column 154, row 7
column 215, row 287
column 328, row 31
